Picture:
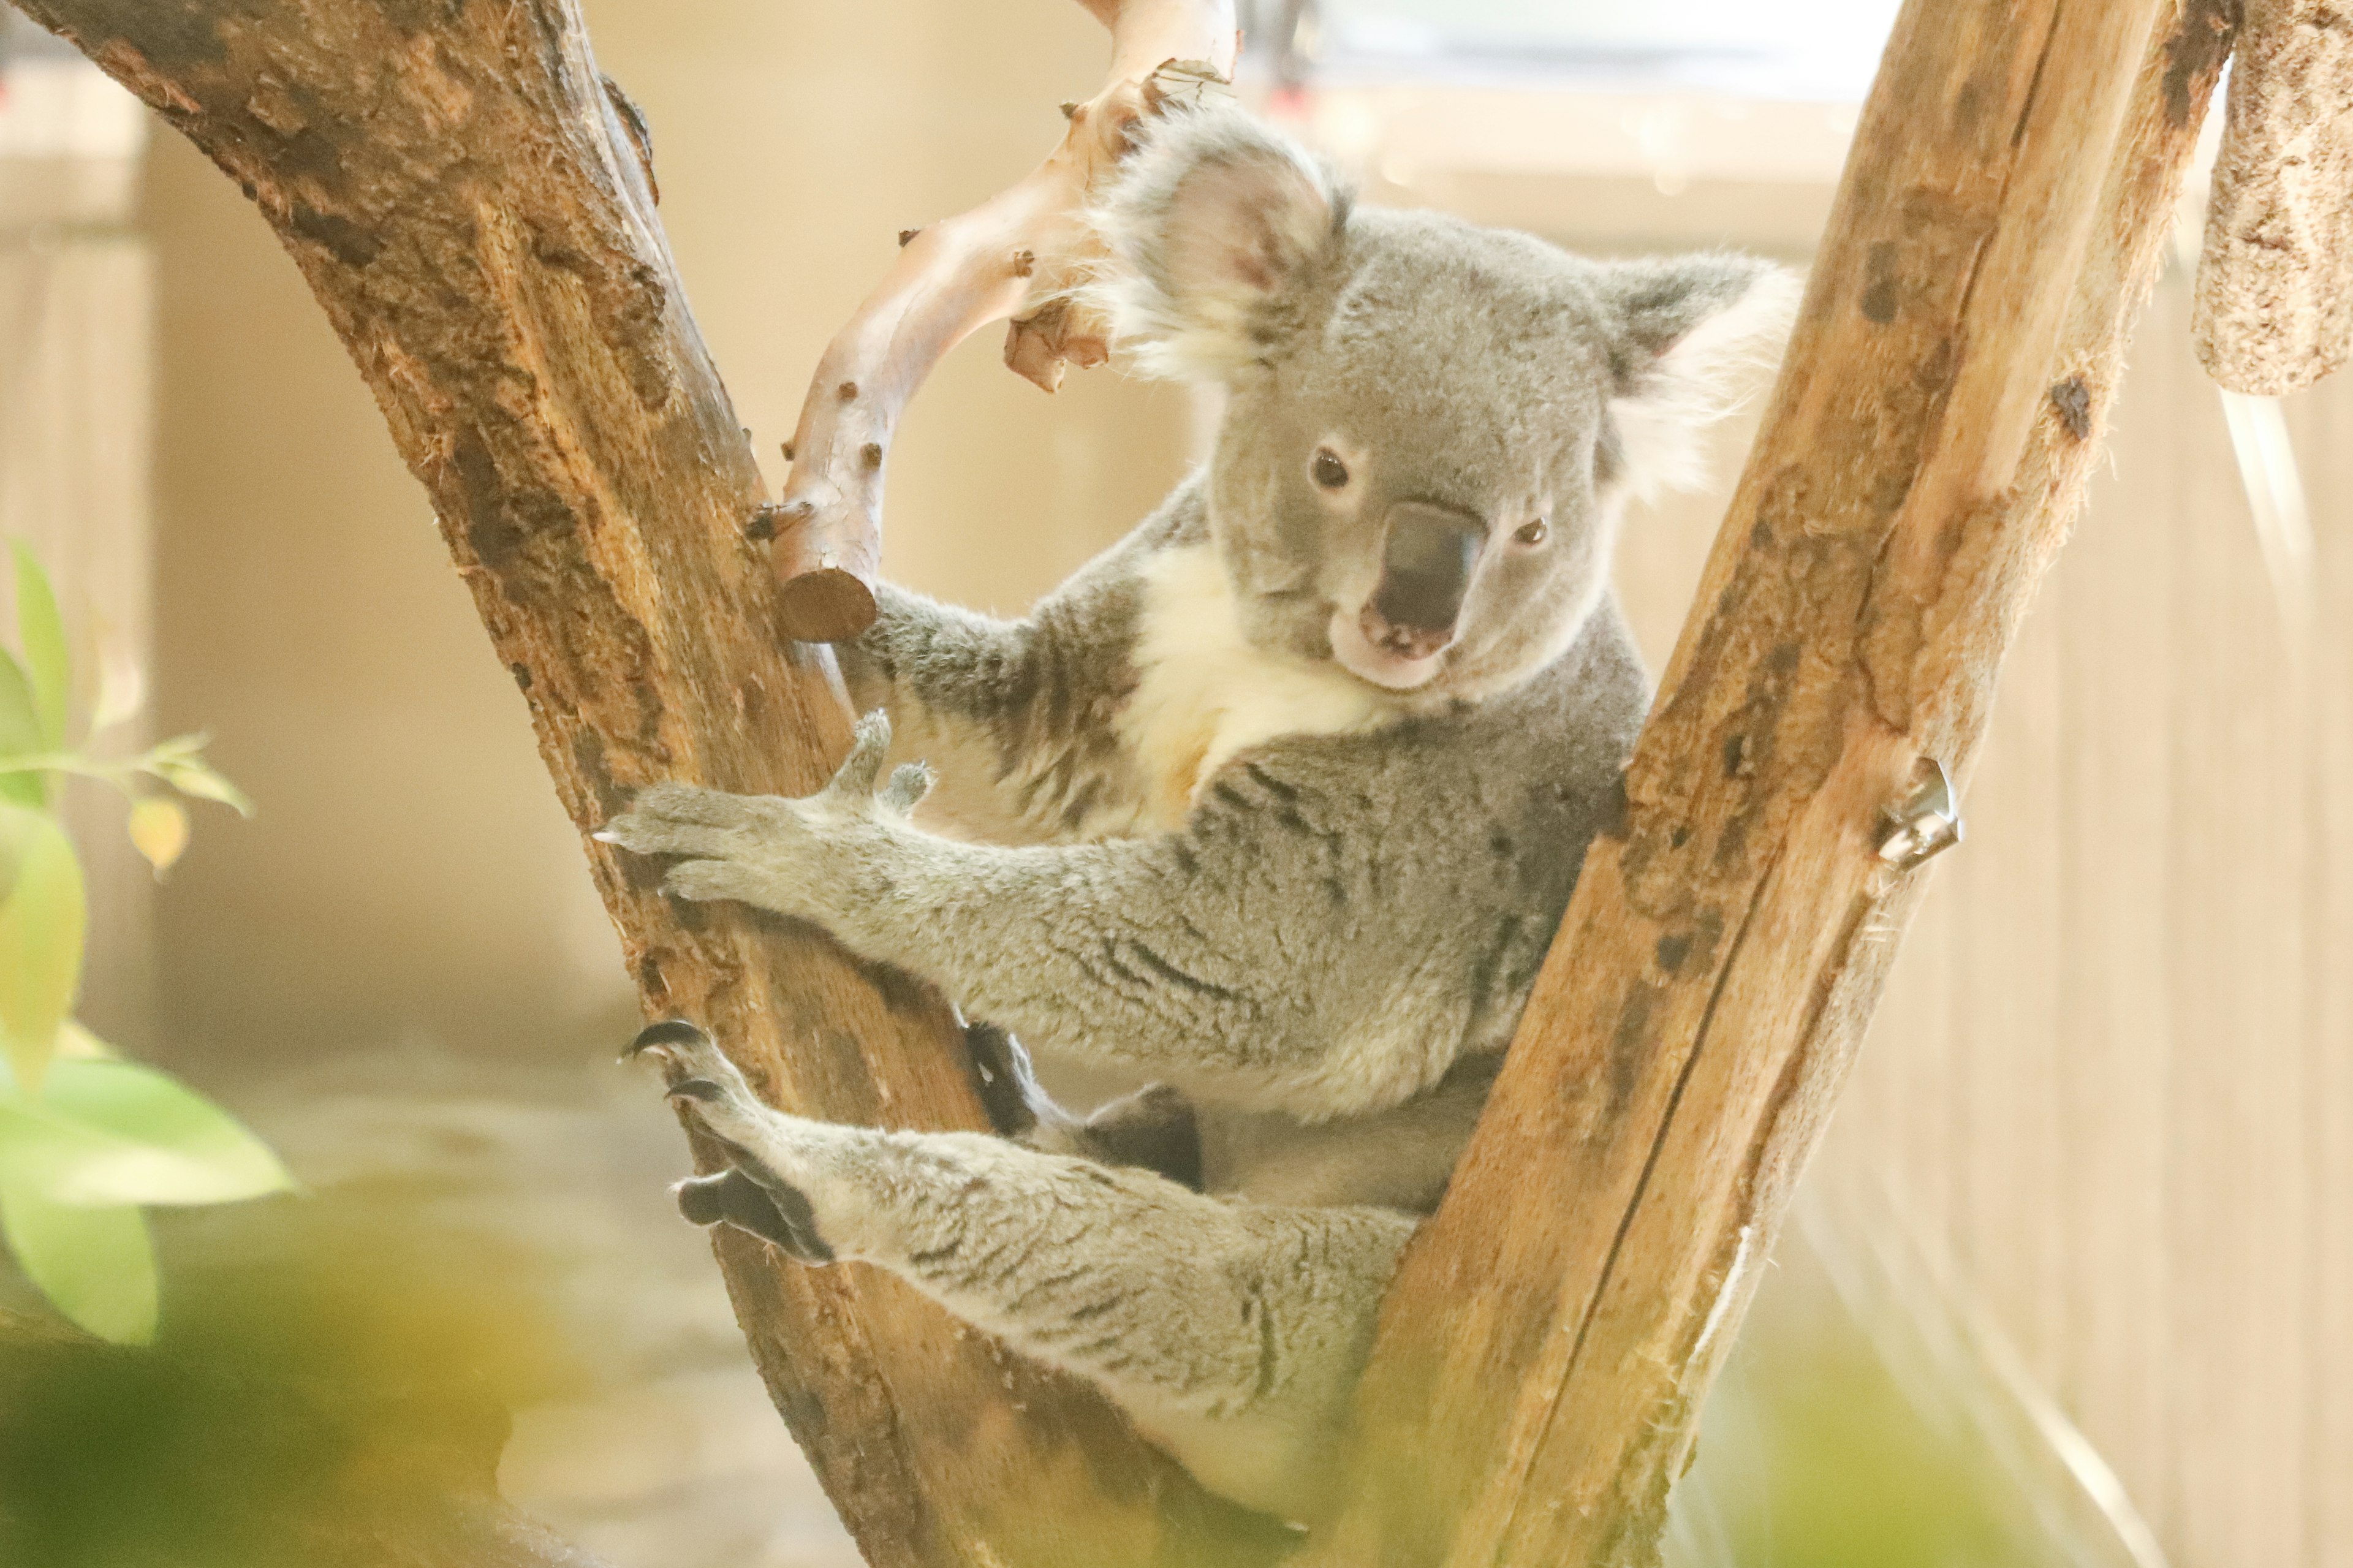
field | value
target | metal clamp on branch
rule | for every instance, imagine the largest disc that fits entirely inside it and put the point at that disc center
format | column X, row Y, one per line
column 1021, row 254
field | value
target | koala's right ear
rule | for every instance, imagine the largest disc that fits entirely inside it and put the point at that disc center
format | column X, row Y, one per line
column 1214, row 220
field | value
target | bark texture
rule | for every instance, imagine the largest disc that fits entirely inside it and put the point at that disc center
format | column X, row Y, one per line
column 2276, row 279
column 1553, row 1330
column 470, row 206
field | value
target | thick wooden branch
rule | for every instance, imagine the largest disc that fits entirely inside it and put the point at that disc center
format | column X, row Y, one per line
column 1020, row 254
column 475, row 219
column 2274, row 301
column 1545, row 1349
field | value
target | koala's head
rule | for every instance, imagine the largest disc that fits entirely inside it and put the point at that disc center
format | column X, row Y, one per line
column 1431, row 427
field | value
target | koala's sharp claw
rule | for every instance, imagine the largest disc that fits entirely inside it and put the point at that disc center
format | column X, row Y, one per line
column 696, row 1088
column 669, row 1032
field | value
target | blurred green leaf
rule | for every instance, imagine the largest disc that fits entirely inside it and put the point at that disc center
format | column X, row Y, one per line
column 42, row 632
column 159, row 829
column 20, row 735
column 105, row 1132
column 42, row 923
column 194, row 777
column 97, row 1266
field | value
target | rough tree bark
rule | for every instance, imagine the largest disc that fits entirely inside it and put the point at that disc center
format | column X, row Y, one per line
column 464, row 196
column 1545, row 1349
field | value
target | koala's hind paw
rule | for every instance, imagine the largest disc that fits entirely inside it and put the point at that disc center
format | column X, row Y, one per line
column 751, row 1194
column 695, row 1070
column 682, row 1051
column 780, row 1214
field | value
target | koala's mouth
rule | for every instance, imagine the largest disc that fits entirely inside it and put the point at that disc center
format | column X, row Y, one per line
column 1395, row 658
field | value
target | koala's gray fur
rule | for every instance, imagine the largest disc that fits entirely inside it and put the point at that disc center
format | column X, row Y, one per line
column 1278, row 802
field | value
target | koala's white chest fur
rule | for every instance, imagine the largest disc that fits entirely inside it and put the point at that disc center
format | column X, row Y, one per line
column 1204, row 693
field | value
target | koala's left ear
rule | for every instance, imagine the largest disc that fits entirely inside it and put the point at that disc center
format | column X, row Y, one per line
column 1690, row 336
column 1216, row 221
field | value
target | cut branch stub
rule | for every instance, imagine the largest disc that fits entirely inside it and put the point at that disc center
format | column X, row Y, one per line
column 2274, row 301
column 1022, row 254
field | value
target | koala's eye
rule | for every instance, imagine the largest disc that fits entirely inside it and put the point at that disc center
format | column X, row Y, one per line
column 1327, row 469
column 1533, row 532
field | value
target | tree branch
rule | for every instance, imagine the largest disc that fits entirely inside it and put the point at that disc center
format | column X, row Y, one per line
column 2274, row 301
column 1545, row 1349
column 455, row 185
column 1020, row 254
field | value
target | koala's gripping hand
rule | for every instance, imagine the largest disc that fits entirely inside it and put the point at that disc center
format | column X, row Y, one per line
column 805, row 858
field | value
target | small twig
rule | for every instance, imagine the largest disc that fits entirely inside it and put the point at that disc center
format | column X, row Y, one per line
column 1020, row 255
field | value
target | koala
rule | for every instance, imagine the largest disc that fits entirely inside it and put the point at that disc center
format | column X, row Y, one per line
column 1277, row 804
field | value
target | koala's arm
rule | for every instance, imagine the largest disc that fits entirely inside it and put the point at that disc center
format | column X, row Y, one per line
column 927, row 663
column 1019, row 712
column 1284, row 951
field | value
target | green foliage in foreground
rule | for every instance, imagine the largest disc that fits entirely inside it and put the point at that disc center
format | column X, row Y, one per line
column 87, row 1141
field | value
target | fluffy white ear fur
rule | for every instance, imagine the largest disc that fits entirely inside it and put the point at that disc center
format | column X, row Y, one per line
column 1208, row 221
column 1696, row 377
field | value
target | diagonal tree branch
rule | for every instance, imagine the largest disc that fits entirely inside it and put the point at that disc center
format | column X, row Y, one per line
column 474, row 216
column 1553, row 1330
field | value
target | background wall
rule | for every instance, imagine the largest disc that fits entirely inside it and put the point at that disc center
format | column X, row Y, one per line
column 411, row 870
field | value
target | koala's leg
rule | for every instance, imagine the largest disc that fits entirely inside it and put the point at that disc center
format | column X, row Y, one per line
column 1232, row 1335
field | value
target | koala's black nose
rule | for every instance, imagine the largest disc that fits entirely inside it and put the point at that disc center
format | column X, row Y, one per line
column 1425, row 572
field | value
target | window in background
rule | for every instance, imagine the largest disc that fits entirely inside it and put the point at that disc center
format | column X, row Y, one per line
column 1784, row 49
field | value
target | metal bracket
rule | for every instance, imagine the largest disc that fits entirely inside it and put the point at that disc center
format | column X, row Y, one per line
column 1929, row 822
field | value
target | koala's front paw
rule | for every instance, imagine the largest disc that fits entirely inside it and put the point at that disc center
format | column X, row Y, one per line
column 751, row 1194
column 789, row 855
